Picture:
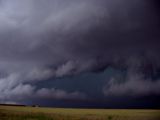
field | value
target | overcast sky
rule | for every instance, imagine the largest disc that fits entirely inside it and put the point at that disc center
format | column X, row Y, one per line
column 80, row 53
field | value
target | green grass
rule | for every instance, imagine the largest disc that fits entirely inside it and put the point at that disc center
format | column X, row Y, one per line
column 31, row 113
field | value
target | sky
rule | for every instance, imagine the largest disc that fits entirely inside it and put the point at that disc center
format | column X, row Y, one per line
column 80, row 53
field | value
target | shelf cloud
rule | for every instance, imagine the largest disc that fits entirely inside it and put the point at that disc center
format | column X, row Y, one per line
column 46, row 40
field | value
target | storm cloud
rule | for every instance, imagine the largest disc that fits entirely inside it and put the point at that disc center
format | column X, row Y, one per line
column 51, row 39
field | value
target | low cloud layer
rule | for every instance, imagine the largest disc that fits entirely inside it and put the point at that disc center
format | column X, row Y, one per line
column 27, row 91
column 45, row 40
column 138, row 80
column 135, row 86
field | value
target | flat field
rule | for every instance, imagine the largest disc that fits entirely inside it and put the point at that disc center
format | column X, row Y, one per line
column 40, row 113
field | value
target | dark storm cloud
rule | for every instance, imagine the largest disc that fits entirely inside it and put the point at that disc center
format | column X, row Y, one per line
column 50, row 39
column 138, row 81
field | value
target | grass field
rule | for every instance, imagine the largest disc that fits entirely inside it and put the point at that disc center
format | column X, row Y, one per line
column 37, row 113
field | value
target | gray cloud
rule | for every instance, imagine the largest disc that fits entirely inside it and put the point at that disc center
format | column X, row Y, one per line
column 134, row 86
column 59, row 94
column 17, row 87
column 49, row 39
column 137, row 81
column 82, row 31
column 27, row 91
column 19, row 92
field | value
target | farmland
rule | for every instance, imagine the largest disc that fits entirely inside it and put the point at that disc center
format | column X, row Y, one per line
column 40, row 113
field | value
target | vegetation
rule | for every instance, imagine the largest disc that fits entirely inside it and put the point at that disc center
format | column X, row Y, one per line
column 37, row 113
